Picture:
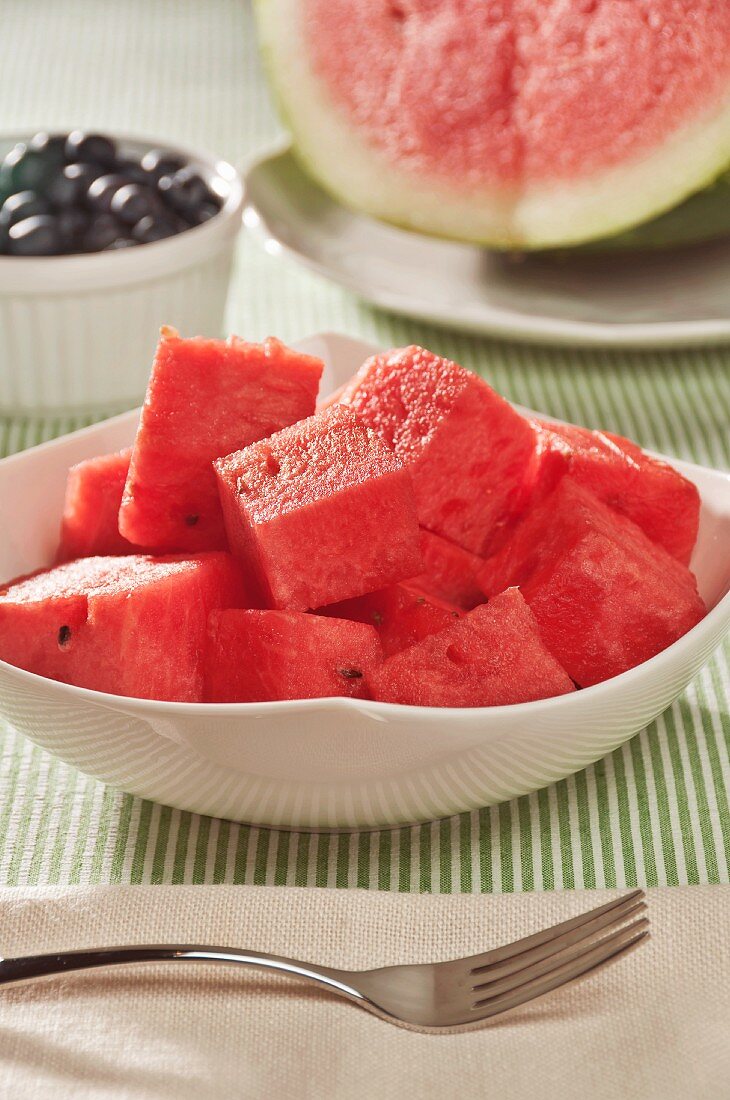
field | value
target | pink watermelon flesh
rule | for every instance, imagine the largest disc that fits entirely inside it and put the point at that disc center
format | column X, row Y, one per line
column 493, row 656
column 605, row 597
column 504, row 95
column 253, row 656
column 665, row 505
column 320, row 512
column 401, row 615
column 90, row 521
column 466, row 448
column 205, row 399
column 129, row 625
column 449, row 572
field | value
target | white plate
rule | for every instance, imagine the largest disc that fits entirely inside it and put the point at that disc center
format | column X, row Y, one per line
column 330, row 763
column 680, row 297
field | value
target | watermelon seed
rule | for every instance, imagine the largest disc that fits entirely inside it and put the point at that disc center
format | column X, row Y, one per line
column 377, row 618
column 191, row 520
column 64, row 636
column 420, row 599
column 350, row 673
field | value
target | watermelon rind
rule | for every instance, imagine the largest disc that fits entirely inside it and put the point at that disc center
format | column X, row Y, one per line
column 539, row 216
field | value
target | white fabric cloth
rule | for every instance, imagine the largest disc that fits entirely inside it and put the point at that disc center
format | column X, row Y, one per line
column 655, row 1026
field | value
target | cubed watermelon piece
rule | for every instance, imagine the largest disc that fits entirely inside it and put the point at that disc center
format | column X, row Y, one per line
column 604, row 595
column 401, row 615
column 665, row 505
column 493, row 656
column 466, row 448
column 205, row 399
column 129, row 625
column 320, row 512
column 253, row 656
column 449, row 571
column 90, row 521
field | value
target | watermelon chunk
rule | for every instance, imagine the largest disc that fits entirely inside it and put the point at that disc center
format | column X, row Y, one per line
column 605, row 596
column 449, row 572
column 320, row 512
column 493, row 656
column 205, row 399
column 90, row 521
column 466, row 448
column 253, row 656
column 402, row 615
column 129, row 625
column 650, row 492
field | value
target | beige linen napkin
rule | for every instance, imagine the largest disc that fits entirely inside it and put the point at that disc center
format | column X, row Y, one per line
column 653, row 1027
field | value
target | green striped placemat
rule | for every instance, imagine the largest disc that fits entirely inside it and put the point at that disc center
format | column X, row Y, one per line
column 654, row 812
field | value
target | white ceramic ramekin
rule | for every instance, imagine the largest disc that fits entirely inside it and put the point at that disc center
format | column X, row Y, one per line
column 79, row 332
column 331, row 763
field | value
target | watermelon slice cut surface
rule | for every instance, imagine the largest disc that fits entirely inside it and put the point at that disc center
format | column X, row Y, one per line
column 320, row 512
column 527, row 123
column 126, row 625
column 466, row 448
column 449, row 572
column 402, row 615
column 205, row 399
column 665, row 505
column 493, row 656
column 253, row 656
column 90, row 521
column 605, row 597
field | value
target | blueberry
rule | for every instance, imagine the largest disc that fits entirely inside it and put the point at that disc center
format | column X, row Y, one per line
column 22, row 170
column 36, row 236
column 151, row 228
column 23, row 204
column 102, row 191
column 50, row 148
column 160, row 163
column 73, row 223
column 185, row 191
column 120, row 242
column 133, row 202
column 133, row 172
column 104, row 229
column 70, row 187
column 204, row 212
column 91, row 149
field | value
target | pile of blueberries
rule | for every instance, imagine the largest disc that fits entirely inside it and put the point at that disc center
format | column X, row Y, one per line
column 71, row 193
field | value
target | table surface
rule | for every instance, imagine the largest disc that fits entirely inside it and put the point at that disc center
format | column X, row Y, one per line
column 654, row 812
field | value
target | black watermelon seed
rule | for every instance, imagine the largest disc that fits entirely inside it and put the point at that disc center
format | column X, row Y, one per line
column 191, row 520
column 64, row 636
column 351, row 673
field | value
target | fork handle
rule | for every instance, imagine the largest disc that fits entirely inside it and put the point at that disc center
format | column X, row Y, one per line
column 30, row 967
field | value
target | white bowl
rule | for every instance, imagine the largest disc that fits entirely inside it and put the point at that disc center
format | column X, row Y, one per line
column 331, row 763
column 79, row 332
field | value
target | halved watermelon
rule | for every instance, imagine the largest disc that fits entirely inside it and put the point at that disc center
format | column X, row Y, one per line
column 665, row 505
column 526, row 124
column 402, row 615
column 126, row 625
column 465, row 447
column 90, row 521
column 320, row 512
column 205, row 399
column 253, row 656
column 493, row 656
column 605, row 596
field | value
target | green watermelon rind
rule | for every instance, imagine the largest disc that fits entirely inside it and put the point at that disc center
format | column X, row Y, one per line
column 565, row 222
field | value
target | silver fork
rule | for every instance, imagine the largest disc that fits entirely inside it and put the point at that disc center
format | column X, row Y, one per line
column 458, row 995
